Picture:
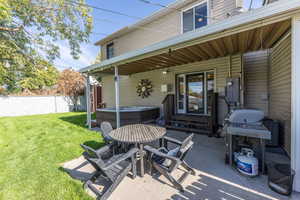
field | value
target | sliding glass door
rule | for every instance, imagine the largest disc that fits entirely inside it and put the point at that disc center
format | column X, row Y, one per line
column 195, row 93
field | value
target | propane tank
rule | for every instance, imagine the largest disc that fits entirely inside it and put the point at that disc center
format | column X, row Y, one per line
column 246, row 162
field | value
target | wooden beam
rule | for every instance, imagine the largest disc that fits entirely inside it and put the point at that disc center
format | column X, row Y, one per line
column 222, row 46
column 255, row 39
column 202, row 53
column 163, row 59
column 187, row 55
column 150, row 62
column 278, row 30
column 166, row 58
column 180, row 55
column 229, row 44
column 131, row 68
column 215, row 47
column 250, row 39
column 192, row 51
column 263, row 34
column 209, row 50
column 243, row 41
column 235, row 42
column 175, row 57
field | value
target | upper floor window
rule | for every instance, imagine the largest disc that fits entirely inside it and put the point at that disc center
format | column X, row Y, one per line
column 110, row 50
column 194, row 18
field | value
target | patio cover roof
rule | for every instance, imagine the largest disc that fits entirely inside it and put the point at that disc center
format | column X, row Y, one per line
column 250, row 31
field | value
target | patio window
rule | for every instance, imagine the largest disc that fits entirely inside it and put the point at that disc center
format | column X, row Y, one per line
column 194, row 92
column 110, row 50
column 194, row 18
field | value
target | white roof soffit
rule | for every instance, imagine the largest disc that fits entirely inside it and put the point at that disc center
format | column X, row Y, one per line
column 244, row 18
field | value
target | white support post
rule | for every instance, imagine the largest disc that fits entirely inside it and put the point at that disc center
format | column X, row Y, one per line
column 295, row 120
column 117, row 95
column 88, row 102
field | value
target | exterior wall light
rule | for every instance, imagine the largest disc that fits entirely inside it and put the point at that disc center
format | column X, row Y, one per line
column 165, row 72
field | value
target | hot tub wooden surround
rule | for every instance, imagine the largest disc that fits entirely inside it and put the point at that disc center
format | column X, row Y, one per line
column 128, row 115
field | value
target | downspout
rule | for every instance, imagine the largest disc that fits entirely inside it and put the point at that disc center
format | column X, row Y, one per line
column 242, row 84
column 229, row 67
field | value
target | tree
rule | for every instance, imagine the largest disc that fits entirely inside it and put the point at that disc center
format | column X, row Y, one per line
column 71, row 84
column 98, row 58
column 31, row 29
column 43, row 74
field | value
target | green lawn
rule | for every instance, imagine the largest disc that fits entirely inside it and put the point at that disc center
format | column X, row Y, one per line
column 31, row 150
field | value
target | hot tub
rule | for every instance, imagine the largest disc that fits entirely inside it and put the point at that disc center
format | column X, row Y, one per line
column 128, row 115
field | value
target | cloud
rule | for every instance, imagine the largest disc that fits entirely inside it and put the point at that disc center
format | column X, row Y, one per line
column 66, row 60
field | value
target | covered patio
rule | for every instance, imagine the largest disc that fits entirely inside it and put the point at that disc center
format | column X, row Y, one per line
column 252, row 31
column 213, row 179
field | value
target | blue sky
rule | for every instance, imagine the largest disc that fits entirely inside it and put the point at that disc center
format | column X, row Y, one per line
column 130, row 7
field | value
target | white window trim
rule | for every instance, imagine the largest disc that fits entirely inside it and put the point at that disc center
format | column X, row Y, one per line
column 193, row 6
column 182, row 111
column 204, row 88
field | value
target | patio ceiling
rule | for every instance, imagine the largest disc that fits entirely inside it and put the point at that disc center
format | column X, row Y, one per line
column 263, row 37
column 249, row 31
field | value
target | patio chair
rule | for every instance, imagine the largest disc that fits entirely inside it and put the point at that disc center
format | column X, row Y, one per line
column 106, row 128
column 111, row 169
column 103, row 152
column 165, row 160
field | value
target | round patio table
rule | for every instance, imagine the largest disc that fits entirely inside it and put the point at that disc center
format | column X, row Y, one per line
column 138, row 134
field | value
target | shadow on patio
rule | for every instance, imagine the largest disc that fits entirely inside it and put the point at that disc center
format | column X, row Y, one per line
column 213, row 179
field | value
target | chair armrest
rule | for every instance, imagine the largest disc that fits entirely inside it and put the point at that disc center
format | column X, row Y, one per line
column 88, row 150
column 122, row 158
column 158, row 153
column 104, row 149
column 97, row 152
column 172, row 140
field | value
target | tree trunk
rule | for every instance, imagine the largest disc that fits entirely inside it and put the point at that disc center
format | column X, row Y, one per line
column 75, row 100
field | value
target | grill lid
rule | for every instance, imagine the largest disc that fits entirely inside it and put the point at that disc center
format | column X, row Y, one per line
column 246, row 116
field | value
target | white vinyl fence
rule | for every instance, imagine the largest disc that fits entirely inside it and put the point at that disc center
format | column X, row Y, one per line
column 32, row 105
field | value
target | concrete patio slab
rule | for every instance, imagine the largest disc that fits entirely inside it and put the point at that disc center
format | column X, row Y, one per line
column 213, row 180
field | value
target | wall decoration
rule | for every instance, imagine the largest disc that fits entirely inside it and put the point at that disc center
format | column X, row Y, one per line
column 144, row 88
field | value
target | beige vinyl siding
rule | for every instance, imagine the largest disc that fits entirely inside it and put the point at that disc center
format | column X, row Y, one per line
column 256, row 66
column 165, row 27
column 220, row 8
column 280, row 88
column 129, row 97
column 161, row 29
column 232, row 66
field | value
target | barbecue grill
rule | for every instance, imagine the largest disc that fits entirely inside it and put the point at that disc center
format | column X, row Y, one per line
column 246, row 123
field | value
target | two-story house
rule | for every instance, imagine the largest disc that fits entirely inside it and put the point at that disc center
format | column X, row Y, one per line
column 193, row 49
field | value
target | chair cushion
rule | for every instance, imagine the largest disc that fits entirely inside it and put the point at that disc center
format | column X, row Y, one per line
column 107, row 137
column 172, row 153
column 163, row 161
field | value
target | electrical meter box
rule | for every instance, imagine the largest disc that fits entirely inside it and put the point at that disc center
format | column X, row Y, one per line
column 166, row 88
column 232, row 91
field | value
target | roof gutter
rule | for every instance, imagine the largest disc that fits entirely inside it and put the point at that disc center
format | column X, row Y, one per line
column 244, row 18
